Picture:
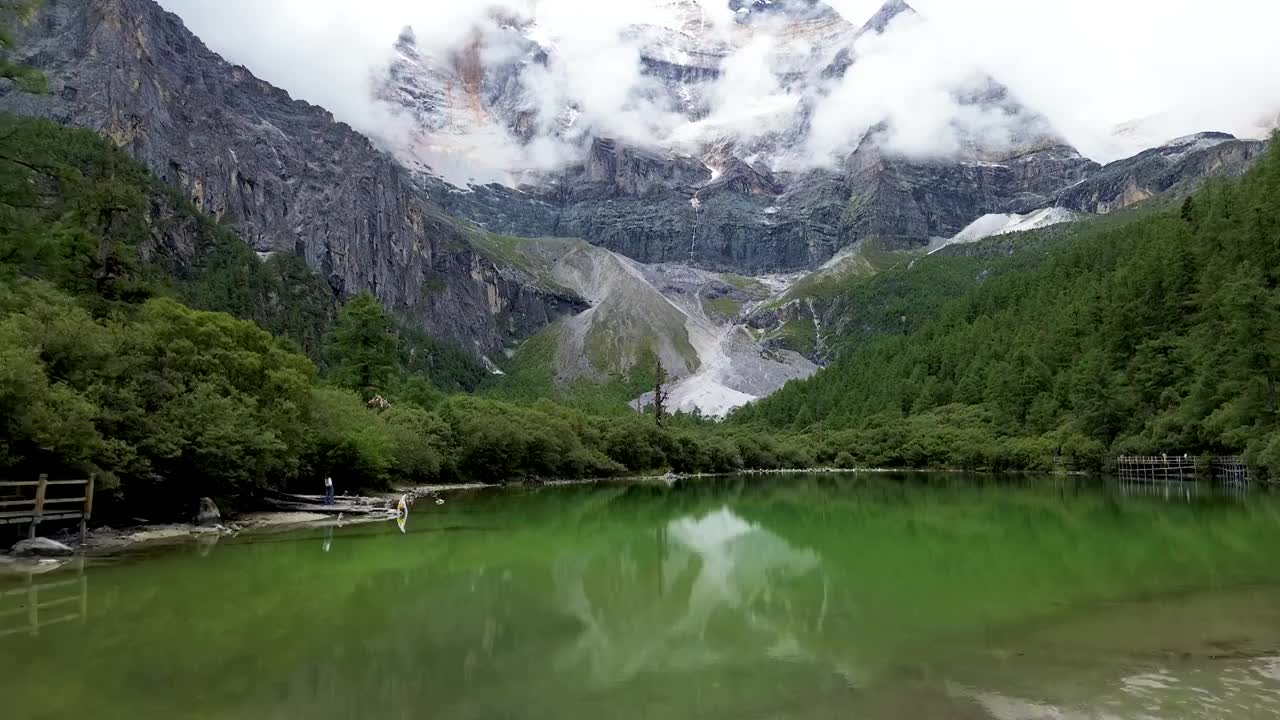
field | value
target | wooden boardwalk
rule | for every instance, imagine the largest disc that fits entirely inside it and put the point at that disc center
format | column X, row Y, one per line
column 15, row 508
column 1226, row 469
column 1157, row 468
column 1232, row 470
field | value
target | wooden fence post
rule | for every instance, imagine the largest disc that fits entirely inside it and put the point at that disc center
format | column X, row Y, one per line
column 88, row 507
column 40, row 489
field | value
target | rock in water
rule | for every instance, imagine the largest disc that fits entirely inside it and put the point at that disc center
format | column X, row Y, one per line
column 208, row 514
column 40, row 547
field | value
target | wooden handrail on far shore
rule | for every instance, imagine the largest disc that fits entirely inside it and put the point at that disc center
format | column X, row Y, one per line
column 33, row 511
column 1229, row 469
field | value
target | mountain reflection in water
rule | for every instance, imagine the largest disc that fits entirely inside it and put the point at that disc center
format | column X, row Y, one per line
column 790, row 597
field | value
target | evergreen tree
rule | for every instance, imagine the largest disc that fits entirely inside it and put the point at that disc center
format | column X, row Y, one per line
column 363, row 350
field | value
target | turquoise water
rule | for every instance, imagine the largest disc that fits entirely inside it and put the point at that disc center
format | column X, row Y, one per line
column 783, row 597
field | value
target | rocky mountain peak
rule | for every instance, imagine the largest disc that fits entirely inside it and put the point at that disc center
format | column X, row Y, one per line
column 407, row 42
column 1199, row 137
column 1178, row 148
column 751, row 10
column 281, row 172
column 726, row 197
column 887, row 14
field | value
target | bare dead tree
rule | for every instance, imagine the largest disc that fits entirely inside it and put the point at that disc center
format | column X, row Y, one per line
column 660, row 395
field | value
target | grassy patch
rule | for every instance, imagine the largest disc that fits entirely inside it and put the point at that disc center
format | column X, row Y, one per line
column 532, row 256
column 798, row 334
column 531, row 377
column 868, row 260
column 505, row 250
column 687, row 351
column 747, row 284
column 609, row 349
column 724, row 307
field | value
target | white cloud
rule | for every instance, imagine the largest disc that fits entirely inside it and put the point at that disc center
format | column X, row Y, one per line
column 1090, row 65
column 746, row 102
column 1087, row 65
column 910, row 78
column 323, row 51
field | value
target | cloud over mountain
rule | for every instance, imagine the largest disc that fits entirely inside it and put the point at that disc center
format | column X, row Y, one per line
column 526, row 81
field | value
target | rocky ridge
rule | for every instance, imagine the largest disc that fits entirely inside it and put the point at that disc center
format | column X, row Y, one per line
column 1177, row 167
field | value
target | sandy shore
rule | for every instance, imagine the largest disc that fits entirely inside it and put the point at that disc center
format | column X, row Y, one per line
column 103, row 541
column 106, row 540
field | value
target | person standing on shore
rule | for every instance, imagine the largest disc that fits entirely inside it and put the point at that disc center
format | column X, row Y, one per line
column 328, row 490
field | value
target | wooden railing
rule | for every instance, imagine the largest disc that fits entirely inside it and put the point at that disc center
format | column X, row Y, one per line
column 1157, row 468
column 44, row 508
column 1230, row 469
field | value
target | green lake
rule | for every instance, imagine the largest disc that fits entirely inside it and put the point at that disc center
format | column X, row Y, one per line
column 809, row 596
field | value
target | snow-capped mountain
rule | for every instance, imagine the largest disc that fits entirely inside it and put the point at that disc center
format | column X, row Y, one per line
column 748, row 83
column 723, row 149
column 706, row 144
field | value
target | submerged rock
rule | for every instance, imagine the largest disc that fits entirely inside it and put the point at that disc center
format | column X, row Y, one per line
column 40, row 547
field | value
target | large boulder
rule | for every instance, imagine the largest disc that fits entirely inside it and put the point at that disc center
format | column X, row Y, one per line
column 208, row 514
column 40, row 547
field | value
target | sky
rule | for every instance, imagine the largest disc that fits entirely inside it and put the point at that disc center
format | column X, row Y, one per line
column 1179, row 66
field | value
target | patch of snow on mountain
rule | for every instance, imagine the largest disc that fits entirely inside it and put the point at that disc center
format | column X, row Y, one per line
column 986, row 226
column 1002, row 224
column 1184, row 146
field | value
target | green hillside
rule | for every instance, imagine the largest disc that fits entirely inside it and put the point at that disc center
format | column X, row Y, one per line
column 1157, row 334
column 143, row 341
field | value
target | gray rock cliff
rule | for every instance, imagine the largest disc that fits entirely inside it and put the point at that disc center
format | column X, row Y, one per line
column 281, row 172
column 1179, row 167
